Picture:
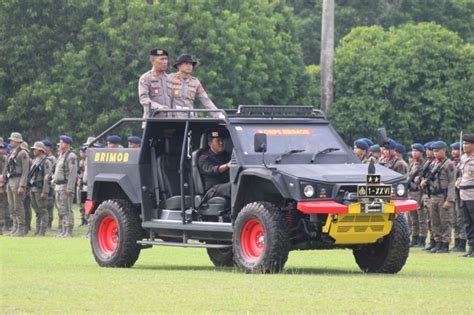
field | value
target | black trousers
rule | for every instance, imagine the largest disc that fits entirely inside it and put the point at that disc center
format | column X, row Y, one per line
column 468, row 209
column 219, row 190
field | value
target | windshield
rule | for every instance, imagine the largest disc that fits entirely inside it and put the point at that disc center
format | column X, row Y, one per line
column 306, row 139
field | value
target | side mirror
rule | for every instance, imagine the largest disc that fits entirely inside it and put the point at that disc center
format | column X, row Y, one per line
column 260, row 142
column 382, row 138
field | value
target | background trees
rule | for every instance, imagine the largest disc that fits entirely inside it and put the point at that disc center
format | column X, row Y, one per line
column 71, row 66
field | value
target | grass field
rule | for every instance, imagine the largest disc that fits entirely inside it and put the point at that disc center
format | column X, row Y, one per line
column 49, row 275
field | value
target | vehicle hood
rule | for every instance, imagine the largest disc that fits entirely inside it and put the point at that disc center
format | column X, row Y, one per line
column 337, row 173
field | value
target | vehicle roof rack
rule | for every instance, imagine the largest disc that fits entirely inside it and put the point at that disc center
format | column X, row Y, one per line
column 286, row 111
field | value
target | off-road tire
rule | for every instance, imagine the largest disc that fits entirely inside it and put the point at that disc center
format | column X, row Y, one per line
column 221, row 257
column 115, row 230
column 389, row 256
column 260, row 239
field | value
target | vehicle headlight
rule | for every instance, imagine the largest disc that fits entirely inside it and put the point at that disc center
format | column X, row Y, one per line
column 308, row 191
column 401, row 190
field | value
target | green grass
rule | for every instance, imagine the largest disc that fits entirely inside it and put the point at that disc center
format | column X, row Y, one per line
column 49, row 275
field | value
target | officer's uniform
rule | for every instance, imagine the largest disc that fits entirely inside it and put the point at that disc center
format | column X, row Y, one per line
column 17, row 172
column 38, row 183
column 373, row 149
column 441, row 186
column 183, row 90
column 397, row 163
column 5, row 220
column 458, row 217
column 466, row 188
column 362, row 145
column 418, row 218
column 152, row 88
column 65, row 177
column 216, row 184
column 27, row 200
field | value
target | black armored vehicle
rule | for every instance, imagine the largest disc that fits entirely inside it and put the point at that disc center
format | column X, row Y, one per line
column 295, row 185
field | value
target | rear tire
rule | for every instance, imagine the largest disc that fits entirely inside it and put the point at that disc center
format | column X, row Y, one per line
column 115, row 230
column 389, row 256
column 260, row 239
column 221, row 257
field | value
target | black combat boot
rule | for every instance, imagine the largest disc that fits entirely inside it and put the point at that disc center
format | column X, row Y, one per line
column 42, row 231
column 83, row 222
column 456, row 243
column 444, row 249
column 470, row 252
column 431, row 246
column 436, row 248
column 20, row 232
column 68, row 232
column 61, row 232
column 414, row 241
column 13, row 230
column 421, row 242
column 461, row 248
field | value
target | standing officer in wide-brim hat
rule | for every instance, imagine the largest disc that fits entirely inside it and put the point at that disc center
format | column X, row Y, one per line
column 184, row 88
column 16, row 173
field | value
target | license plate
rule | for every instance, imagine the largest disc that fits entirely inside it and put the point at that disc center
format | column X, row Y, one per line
column 374, row 190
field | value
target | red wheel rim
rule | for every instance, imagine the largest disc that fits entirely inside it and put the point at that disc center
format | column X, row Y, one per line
column 108, row 235
column 252, row 239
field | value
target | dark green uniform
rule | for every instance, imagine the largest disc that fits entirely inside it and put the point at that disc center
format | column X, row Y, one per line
column 39, row 188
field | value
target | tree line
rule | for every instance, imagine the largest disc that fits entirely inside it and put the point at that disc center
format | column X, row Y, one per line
column 72, row 66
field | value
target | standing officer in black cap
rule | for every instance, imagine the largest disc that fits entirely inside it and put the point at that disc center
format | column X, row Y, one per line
column 466, row 189
column 214, row 166
column 184, row 88
column 152, row 84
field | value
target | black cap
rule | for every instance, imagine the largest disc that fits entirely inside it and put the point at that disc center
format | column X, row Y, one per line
column 468, row 138
column 158, row 52
column 184, row 58
column 216, row 133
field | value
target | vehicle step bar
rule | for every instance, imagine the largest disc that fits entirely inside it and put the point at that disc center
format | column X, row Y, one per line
column 177, row 244
column 194, row 226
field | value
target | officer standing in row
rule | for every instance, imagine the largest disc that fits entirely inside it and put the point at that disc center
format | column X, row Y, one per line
column 48, row 145
column 360, row 150
column 15, row 178
column 214, row 165
column 458, row 217
column 152, row 85
column 113, row 142
column 426, row 195
column 27, row 200
column 184, row 88
column 80, row 182
column 134, row 142
column 400, row 165
column 466, row 189
column 418, row 218
column 39, row 186
column 440, row 183
column 374, row 154
column 5, row 220
column 65, row 176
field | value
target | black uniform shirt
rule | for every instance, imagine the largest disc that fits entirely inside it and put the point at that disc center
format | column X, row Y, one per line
column 209, row 163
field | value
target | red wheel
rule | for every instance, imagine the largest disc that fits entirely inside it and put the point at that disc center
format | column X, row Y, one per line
column 253, row 239
column 108, row 236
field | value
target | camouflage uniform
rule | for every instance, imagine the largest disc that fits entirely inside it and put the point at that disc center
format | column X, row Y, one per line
column 426, row 197
column 442, row 189
column 398, row 165
column 51, row 200
column 5, row 220
column 152, row 91
column 38, row 180
column 65, row 176
column 17, row 172
column 458, row 216
column 182, row 91
column 418, row 218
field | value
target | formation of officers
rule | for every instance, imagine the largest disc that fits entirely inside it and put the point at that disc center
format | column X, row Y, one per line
column 44, row 181
column 442, row 187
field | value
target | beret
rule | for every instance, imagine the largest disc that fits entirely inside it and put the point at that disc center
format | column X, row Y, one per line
column 428, row 145
column 468, row 138
column 114, row 139
column 391, row 144
column 48, row 143
column 368, row 141
column 134, row 139
column 65, row 139
column 361, row 144
column 456, row 146
column 400, row 148
column 438, row 145
column 375, row 148
column 418, row 147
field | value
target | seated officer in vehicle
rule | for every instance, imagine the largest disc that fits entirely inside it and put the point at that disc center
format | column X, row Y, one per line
column 214, row 164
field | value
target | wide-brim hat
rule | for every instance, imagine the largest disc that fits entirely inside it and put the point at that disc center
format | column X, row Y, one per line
column 16, row 136
column 25, row 146
column 184, row 58
column 39, row 146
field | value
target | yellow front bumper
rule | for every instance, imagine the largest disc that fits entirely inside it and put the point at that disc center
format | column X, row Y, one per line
column 360, row 228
